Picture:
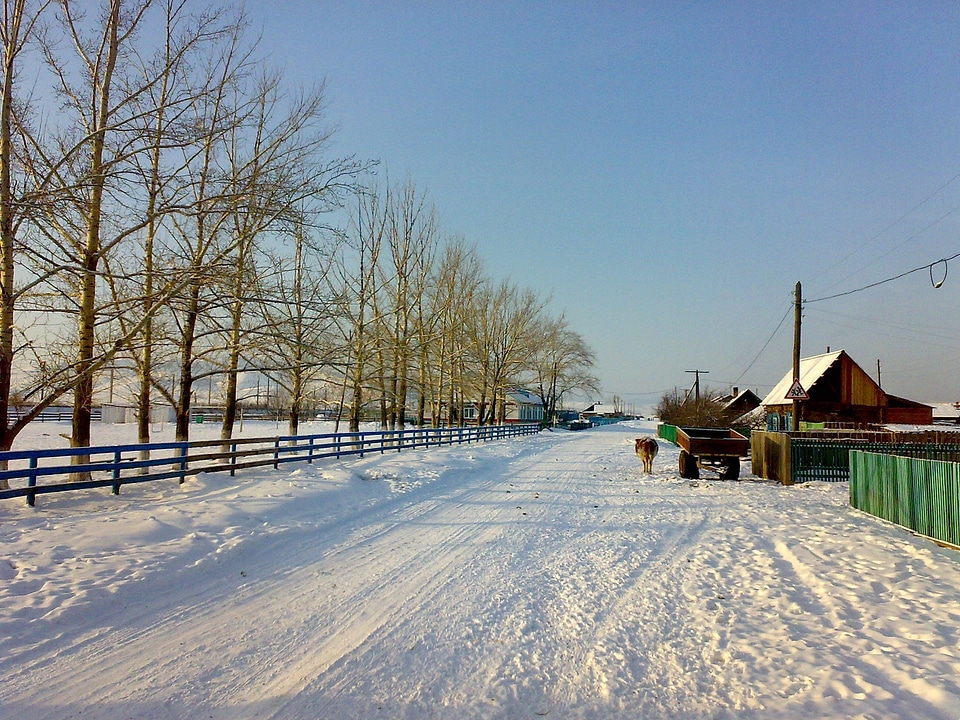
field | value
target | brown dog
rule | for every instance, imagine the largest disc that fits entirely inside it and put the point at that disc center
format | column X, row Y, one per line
column 646, row 448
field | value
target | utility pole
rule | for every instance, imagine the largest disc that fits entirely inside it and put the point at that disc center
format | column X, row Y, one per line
column 879, row 384
column 797, row 314
column 696, row 390
column 696, row 383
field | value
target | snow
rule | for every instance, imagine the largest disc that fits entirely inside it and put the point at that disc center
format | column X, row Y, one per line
column 534, row 577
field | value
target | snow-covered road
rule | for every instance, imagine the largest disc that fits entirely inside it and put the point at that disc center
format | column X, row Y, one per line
column 539, row 577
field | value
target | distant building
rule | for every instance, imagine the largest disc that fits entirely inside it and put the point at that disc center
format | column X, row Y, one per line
column 595, row 410
column 946, row 413
column 841, row 392
column 737, row 403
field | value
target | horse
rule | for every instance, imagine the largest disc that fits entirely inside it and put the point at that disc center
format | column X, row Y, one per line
column 646, row 448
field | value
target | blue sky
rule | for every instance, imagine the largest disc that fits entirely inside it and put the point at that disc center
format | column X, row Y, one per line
column 668, row 171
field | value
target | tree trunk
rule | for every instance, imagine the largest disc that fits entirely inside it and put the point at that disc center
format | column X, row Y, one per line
column 7, row 236
column 185, row 392
column 233, row 366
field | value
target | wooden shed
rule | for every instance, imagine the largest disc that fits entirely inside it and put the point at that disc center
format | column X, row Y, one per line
column 840, row 392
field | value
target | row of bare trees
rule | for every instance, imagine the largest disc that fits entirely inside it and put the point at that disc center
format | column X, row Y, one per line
column 167, row 211
column 426, row 323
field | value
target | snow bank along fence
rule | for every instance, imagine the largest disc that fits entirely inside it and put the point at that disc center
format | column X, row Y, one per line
column 824, row 455
column 116, row 465
column 919, row 494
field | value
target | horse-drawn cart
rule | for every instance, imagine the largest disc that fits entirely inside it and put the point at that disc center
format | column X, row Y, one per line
column 717, row 448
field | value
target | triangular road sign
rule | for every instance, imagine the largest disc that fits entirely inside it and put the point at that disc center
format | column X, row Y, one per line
column 796, row 392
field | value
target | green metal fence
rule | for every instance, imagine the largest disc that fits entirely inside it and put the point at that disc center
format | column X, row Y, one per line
column 667, row 432
column 922, row 495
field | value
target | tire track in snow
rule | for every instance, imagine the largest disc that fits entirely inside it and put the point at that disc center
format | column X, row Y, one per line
column 258, row 616
column 554, row 591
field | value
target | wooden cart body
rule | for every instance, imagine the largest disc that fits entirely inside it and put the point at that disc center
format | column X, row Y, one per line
column 717, row 448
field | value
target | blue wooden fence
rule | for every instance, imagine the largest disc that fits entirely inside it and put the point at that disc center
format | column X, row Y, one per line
column 922, row 495
column 34, row 472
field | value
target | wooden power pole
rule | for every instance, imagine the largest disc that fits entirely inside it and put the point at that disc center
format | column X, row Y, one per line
column 797, row 314
column 696, row 391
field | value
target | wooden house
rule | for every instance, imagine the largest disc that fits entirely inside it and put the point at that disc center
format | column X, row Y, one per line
column 523, row 406
column 738, row 403
column 840, row 391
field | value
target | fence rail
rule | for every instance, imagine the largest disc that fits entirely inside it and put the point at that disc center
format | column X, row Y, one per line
column 919, row 494
column 111, row 466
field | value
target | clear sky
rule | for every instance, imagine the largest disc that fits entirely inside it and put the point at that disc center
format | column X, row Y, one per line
column 667, row 171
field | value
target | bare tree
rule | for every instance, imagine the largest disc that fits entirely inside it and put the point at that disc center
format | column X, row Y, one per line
column 360, row 287
column 500, row 330
column 411, row 241
column 449, row 295
column 299, row 324
column 169, row 125
column 81, row 166
column 560, row 363
column 203, row 241
column 706, row 410
column 284, row 182
column 17, row 28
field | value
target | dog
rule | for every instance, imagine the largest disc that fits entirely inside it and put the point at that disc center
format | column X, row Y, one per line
column 646, row 448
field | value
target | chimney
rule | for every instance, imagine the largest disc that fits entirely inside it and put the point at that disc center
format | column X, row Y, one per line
column 736, row 391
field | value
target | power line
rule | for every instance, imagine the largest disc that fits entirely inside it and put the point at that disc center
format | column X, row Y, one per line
column 902, row 217
column 769, row 340
column 929, row 267
column 911, row 327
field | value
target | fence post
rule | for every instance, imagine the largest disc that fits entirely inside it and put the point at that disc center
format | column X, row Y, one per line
column 233, row 459
column 276, row 453
column 183, row 463
column 116, row 472
column 32, row 481
column 310, row 451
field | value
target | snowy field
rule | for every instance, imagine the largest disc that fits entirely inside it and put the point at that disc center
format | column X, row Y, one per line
column 527, row 578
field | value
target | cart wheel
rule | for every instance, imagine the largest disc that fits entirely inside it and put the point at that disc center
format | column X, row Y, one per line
column 731, row 469
column 688, row 466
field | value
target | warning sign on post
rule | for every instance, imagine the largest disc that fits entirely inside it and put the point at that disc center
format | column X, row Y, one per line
column 796, row 392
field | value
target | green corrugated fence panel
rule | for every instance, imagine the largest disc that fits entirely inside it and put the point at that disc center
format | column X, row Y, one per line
column 922, row 489
column 880, row 492
column 667, row 432
column 944, row 510
column 904, row 499
column 922, row 495
column 857, row 499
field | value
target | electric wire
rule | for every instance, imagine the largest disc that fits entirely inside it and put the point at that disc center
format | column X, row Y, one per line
column 919, row 232
column 911, row 328
column 769, row 340
column 895, row 222
column 929, row 267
